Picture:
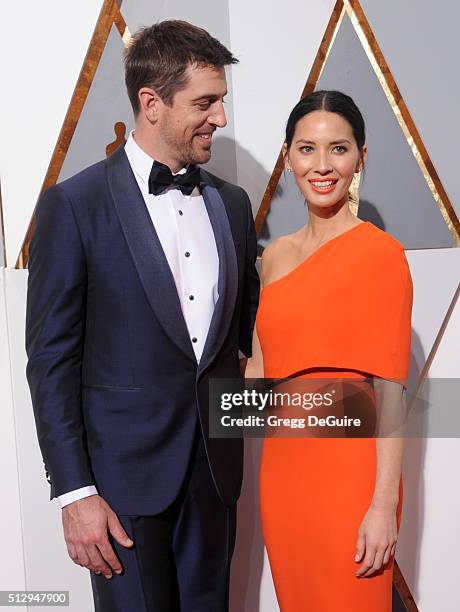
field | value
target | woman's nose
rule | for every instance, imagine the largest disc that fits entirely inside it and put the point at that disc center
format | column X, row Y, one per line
column 323, row 163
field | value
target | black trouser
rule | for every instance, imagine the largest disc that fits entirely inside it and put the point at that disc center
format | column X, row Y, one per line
column 181, row 557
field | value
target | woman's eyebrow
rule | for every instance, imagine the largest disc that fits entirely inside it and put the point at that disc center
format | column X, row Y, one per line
column 332, row 141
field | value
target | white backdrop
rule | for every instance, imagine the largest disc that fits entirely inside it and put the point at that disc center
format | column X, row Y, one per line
column 276, row 46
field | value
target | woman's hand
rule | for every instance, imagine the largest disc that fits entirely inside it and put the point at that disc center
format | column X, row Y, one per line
column 376, row 542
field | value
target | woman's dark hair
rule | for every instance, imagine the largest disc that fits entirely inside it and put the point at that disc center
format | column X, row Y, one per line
column 158, row 57
column 332, row 102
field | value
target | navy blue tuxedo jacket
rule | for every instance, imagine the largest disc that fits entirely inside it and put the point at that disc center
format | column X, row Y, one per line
column 115, row 385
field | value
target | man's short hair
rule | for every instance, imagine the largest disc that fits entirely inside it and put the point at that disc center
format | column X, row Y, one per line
column 159, row 55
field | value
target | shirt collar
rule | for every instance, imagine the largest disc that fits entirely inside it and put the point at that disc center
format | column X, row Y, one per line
column 140, row 161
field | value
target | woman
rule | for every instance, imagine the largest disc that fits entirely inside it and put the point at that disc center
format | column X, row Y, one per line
column 336, row 302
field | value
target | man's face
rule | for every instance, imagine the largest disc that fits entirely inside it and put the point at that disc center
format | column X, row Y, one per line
column 187, row 126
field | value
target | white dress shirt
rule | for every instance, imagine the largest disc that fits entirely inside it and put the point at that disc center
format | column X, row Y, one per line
column 187, row 239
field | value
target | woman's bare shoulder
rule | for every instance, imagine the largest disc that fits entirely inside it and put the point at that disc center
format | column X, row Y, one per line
column 277, row 247
column 274, row 253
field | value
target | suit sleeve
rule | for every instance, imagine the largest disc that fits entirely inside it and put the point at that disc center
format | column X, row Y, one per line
column 251, row 284
column 55, row 327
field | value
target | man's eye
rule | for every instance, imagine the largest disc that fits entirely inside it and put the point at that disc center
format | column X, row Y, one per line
column 204, row 105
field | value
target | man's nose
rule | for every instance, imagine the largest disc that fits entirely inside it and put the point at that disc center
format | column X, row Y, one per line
column 218, row 117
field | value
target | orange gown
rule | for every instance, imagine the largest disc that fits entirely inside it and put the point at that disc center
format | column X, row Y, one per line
column 348, row 306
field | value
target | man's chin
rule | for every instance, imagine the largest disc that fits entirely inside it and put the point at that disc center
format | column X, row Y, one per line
column 202, row 157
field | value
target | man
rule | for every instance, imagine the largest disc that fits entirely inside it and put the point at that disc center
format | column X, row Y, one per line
column 142, row 287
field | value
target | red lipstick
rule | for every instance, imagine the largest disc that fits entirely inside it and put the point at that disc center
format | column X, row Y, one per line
column 330, row 185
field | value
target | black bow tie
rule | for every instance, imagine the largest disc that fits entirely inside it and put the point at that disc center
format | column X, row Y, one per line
column 161, row 178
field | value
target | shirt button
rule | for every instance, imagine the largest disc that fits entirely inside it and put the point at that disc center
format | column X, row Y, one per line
column 187, row 254
column 194, row 340
column 191, row 297
column 181, row 213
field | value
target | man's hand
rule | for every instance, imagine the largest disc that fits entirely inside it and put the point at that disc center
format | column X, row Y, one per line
column 86, row 522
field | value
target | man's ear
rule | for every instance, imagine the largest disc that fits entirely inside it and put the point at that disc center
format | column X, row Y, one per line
column 284, row 153
column 149, row 103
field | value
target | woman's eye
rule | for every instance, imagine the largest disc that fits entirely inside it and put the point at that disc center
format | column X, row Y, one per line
column 306, row 149
column 340, row 149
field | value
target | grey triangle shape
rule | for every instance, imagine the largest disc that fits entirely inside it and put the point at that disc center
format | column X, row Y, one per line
column 105, row 104
column 394, row 194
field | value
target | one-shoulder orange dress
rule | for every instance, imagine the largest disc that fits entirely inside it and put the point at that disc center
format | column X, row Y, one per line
column 347, row 307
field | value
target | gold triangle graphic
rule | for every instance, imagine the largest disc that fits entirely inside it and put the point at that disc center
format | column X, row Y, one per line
column 109, row 15
column 369, row 42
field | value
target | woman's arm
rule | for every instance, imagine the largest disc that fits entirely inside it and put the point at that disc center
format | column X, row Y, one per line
column 255, row 364
column 392, row 413
column 378, row 532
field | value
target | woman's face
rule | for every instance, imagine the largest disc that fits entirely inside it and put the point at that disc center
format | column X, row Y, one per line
column 323, row 157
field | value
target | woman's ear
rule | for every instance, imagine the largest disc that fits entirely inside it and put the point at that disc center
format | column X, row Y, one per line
column 287, row 163
column 362, row 160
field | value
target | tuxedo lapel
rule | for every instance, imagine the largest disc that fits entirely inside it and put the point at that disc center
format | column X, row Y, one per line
column 228, row 275
column 146, row 250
